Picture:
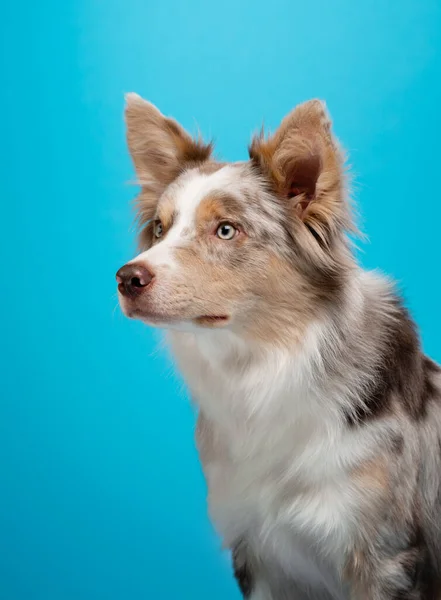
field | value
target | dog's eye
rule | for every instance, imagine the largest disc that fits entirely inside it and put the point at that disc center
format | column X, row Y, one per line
column 226, row 231
column 157, row 229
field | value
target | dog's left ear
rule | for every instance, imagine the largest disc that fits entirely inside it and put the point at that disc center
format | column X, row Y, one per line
column 304, row 167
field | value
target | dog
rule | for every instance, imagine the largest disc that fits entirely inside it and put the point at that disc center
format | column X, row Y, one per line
column 319, row 416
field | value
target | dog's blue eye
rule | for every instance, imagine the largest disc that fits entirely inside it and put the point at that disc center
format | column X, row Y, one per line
column 158, row 229
column 226, row 231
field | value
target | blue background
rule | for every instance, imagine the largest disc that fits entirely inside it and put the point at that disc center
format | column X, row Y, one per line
column 101, row 494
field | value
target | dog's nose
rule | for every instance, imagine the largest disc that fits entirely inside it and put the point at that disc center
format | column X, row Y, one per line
column 133, row 279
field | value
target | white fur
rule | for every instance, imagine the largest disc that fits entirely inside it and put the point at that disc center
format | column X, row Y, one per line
column 281, row 476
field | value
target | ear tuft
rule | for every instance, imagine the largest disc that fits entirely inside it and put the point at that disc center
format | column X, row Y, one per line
column 132, row 97
column 190, row 150
column 313, row 114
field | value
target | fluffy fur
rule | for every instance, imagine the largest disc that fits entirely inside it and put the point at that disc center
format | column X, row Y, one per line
column 319, row 424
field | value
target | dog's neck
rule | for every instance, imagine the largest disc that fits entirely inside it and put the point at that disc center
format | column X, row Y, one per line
column 236, row 382
column 226, row 373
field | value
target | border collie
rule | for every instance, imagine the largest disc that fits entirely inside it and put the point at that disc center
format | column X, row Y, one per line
column 319, row 425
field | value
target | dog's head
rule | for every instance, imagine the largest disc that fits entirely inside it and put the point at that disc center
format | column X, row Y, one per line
column 256, row 246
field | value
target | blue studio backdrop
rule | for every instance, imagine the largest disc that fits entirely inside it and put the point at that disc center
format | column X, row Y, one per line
column 101, row 493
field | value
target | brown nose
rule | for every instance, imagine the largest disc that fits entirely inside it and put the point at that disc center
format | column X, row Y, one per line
column 133, row 279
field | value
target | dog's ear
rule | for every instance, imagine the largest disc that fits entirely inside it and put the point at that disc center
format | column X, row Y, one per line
column 304, row 166
column 160, row 148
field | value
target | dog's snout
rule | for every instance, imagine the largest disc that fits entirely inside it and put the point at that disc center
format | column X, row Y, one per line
column 133, row 279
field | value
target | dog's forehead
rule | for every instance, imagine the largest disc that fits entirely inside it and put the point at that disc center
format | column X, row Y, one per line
column 212, row 192
column 195, row 186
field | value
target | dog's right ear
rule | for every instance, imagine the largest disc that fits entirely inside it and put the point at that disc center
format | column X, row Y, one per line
column 160, row 148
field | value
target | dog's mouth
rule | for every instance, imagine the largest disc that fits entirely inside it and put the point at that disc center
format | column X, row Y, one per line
column 158, row 319
column 212, row 320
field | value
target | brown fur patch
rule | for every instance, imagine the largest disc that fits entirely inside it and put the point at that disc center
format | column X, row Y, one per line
column 209, row 210
column 373, row 476
column 217, row 208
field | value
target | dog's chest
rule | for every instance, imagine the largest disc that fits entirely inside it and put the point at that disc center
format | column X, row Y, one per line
column 288, row 507
column 289, row 512
column 276, row 468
